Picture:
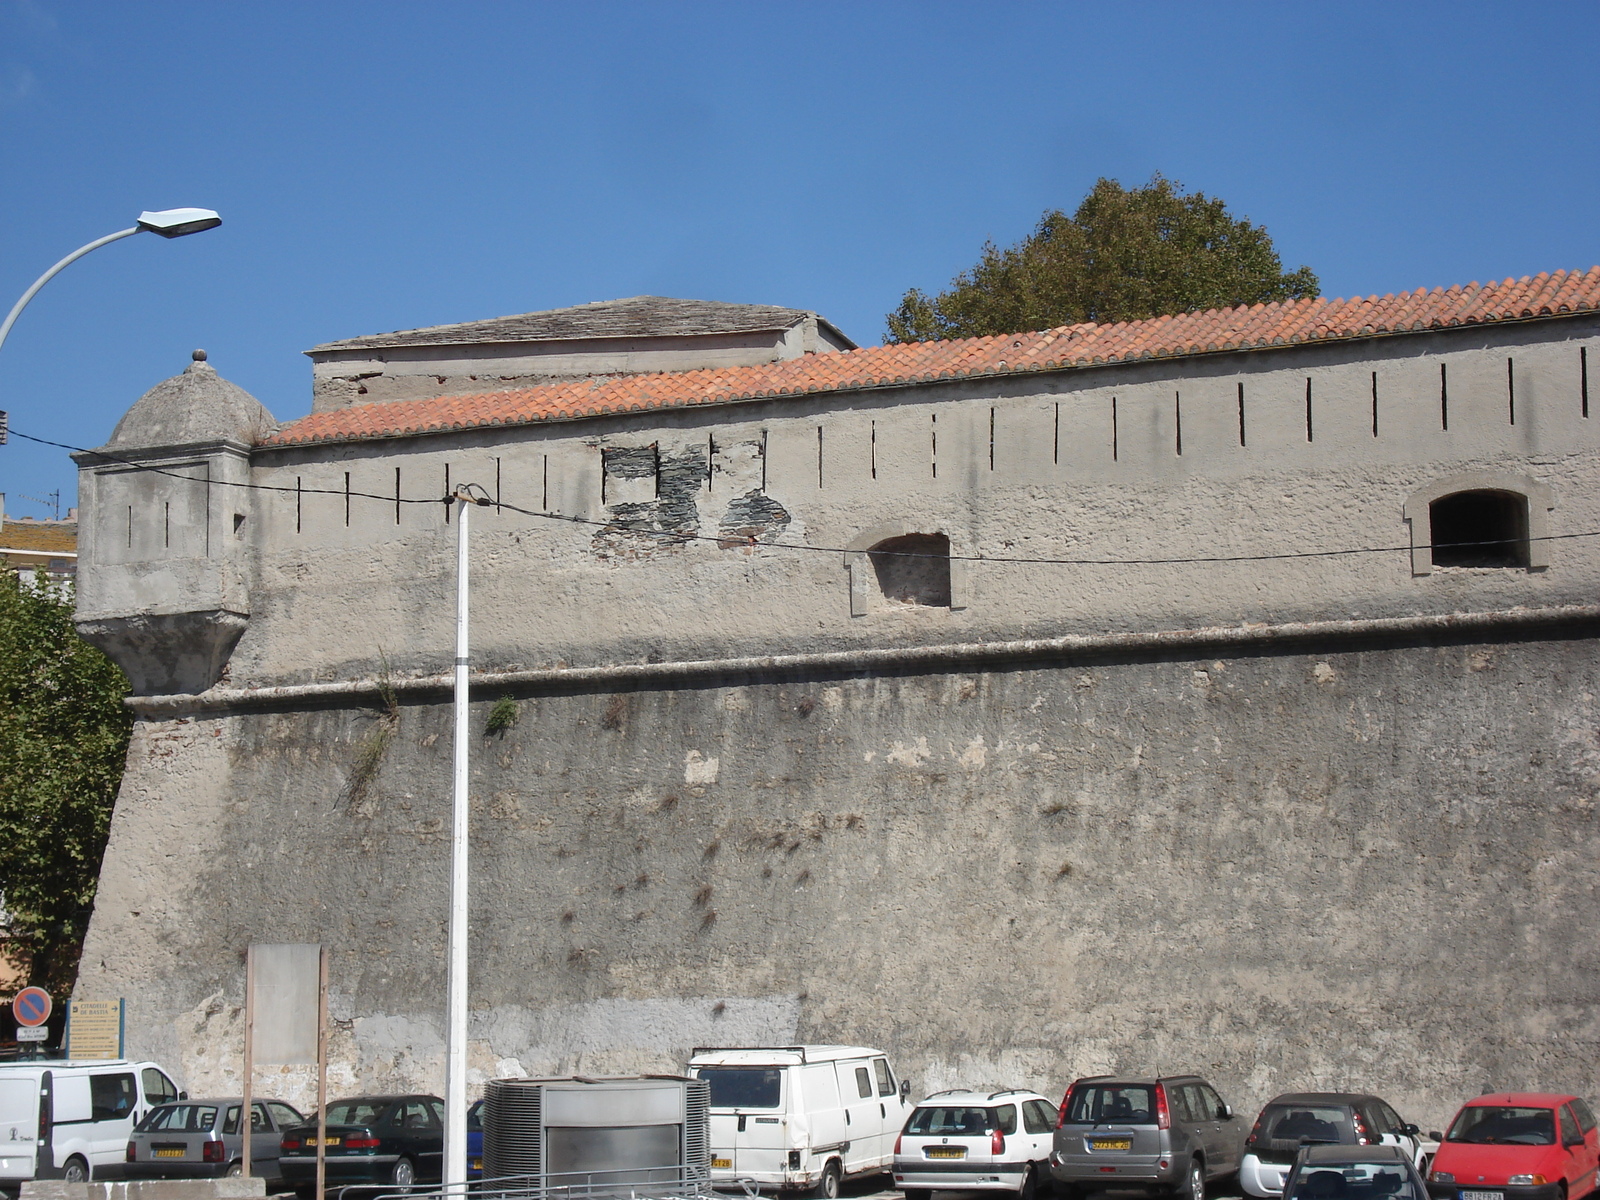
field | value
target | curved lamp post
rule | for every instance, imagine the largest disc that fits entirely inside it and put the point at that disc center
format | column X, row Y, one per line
column 170, row 223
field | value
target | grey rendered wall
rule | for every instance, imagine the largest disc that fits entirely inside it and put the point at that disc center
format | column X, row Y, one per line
column 1326, row 869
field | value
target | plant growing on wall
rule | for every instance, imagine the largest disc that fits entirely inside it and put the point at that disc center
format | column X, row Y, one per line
column 63, row 738
column 1125, row 254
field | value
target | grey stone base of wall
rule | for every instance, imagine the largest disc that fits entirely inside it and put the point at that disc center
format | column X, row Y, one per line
column 146, row 1189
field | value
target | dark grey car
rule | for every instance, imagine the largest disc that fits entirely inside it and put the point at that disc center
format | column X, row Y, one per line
column 1155, row 1135
column 200, row 1139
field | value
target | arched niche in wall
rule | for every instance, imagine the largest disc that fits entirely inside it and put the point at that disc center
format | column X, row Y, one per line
column 1480, row 519
column 904, row 563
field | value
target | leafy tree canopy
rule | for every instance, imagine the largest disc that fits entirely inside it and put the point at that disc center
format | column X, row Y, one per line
column 1124, row 255
column 63, row 734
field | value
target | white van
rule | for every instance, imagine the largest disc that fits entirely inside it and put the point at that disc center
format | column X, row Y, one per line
column 71, row 1120
column 801, row 1117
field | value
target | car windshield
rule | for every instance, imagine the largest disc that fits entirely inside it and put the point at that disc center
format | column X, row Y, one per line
column 743, row 1087
column 1354, row 1181
column 1492, row 1125
column 1130, row 1103
column 961, row 1122
column 181, row 1118
column 1306, row 1123
column 357, row 1112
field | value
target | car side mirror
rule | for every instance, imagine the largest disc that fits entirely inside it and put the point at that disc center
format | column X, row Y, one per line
column 1570, row 1145
column 905, row 1089
column 1435, row 1136
column 1410, row 1130
column 1225, row 1112
column 183, row 1095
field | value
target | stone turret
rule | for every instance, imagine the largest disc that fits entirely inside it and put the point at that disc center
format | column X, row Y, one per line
column 163, row 586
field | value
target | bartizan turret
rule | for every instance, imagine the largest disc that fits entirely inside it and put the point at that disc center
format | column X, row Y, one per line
column 162, row 568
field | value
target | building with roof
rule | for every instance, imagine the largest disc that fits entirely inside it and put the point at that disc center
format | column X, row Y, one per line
column 1215, row 689
column 29, row 546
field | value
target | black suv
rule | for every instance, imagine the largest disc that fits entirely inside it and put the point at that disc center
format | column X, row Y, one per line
column 1156, row 1135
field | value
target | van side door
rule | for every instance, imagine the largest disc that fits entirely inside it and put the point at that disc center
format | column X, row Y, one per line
column 113, row 1100
column 891, row 1107
column 860, row 1097
column 819, row 1098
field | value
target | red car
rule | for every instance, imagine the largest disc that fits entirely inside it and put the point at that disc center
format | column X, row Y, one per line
column 1517, row 1146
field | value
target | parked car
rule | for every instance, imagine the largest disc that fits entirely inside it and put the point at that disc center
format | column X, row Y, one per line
column 977, row 1141
column 1151, row 1135
column 1345, row 1172
column 790, row 1117
column 390, row 1141
column 83, row 1113
column 1336, row 1118
column 1517, row 1146
column 475, row 1140
column 200, row 1139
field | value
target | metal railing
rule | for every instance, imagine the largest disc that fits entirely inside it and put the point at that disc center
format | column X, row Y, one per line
column 627, row 1183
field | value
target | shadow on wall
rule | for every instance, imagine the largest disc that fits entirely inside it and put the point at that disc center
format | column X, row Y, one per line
column 913, row 569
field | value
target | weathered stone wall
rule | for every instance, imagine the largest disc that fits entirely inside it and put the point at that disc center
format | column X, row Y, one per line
column 1347, row 866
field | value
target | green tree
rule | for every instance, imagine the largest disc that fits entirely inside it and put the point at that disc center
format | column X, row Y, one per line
column 1124, row 255
column 63, row 735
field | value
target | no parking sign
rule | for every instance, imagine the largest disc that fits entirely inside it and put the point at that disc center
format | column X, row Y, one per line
column 31, row 1007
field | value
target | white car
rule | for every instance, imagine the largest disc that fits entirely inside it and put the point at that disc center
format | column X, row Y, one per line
column 975, row 1141
column 1320, row 1118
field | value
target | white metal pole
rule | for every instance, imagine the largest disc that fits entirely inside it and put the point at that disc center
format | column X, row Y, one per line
column 455, row 1052
column 16, row 309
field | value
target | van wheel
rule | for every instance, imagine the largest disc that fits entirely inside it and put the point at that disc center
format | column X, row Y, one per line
column 76, row 1171
column 1029, row 1187
column 828, row 1186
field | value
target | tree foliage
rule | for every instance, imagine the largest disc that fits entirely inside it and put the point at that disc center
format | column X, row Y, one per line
column 1124, row 255
column 63, row 736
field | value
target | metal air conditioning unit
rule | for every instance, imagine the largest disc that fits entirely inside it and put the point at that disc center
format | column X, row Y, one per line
column 650, row 1129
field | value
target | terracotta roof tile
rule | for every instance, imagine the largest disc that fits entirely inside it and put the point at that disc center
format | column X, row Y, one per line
column 1251, row 327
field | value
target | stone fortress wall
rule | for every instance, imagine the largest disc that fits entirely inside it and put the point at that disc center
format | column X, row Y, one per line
column 1358, row 853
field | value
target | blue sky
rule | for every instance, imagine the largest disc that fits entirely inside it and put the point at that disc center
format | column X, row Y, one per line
column 389, row 165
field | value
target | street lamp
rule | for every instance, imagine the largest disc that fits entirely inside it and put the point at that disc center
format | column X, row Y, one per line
column 169, row 223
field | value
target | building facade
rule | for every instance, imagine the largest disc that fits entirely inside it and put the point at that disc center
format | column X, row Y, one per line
column 1215, row 692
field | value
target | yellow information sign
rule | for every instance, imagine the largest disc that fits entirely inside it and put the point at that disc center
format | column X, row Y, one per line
column 94, row 1028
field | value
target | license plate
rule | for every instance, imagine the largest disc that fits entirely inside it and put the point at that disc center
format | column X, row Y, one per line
column 476, row 1164
column 722, row 1164
column 168, row 1154
column 333, row 1141
column 947, row 1151
column 1111, row 1143
column 1466, row 1195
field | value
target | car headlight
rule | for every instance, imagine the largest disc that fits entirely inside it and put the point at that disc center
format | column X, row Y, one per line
column 1527, row 1179
column 1441, row 1177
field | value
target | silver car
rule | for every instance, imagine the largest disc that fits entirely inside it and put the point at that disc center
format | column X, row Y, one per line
column 200, row 1139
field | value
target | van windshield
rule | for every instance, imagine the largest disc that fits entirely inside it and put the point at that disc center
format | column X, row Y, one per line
column 743, row 1087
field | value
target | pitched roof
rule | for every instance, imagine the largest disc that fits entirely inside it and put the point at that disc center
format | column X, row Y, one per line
column 1071, row 346
column 637, row 316
column 41, row 537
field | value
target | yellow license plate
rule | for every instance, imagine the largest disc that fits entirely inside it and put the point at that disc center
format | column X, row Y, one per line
column 476, row 1164
column 947, row 1152
column 333, row 1141
column 722, row 1164
column 1111, row 1143
column 168, row 1154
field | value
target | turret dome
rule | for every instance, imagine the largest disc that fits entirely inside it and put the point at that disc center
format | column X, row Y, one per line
column 196, row 406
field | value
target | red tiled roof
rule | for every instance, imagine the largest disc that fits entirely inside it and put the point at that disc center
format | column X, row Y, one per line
column 1254, row 327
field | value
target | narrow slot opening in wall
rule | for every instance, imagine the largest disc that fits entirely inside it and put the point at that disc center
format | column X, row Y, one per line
column 1113, row 429
column 497, row 483
column 933, row 441
column 913, row 569
column 1444, row 397
column 1479, row 529
column 874, row 450
column 397, row 495
column 297, row 497
column 130, row 527
column 1177, row 421
column 238, row 524
column 447, row 496
column 1308, row 409
column 819, row 455
column 544, row 486
column 1374, row 404
column 1511, row 391
column 1055, row 438
column 166, row 528
column 602, row 477
column 655, row 464
column 763, row 461
column 711, row 456
column 991, row 439
column 347, row 496
column 1583, row 379
column 1241, row 412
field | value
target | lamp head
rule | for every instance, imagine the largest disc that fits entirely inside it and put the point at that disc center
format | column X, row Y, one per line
column 175, row 222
